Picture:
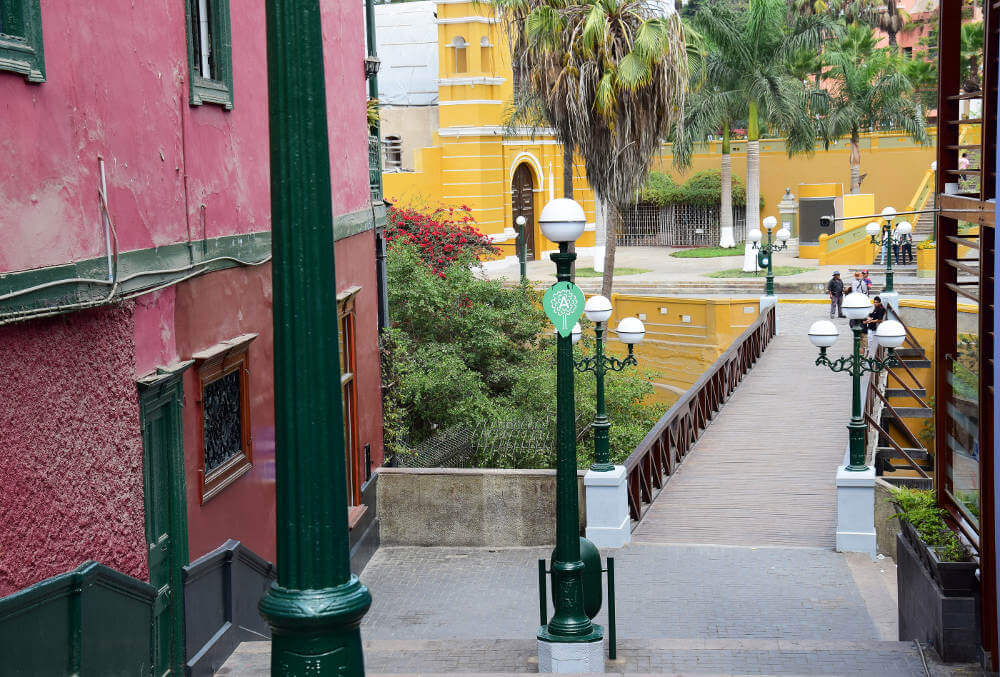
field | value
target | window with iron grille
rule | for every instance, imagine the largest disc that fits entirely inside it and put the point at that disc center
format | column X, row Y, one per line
column 21, row 39
column 210, row 52
column 224, row 404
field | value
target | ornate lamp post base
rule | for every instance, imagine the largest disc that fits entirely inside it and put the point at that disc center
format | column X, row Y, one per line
column 608, row 523
column 562, row 657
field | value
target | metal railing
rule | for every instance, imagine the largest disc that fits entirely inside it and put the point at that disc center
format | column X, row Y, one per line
column 375, row 167
column 665, row 446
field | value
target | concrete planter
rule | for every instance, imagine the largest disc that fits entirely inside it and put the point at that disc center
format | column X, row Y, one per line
column 926, row 262
column 956, row 579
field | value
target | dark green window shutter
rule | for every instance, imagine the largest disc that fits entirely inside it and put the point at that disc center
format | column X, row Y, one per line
column 209, row 36
column 21, row 39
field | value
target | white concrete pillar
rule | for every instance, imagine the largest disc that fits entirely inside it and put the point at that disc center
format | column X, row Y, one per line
column 856, row 511
column 608, row 521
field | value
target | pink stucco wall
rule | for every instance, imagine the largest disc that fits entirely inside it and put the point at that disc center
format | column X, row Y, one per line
column 71, row 450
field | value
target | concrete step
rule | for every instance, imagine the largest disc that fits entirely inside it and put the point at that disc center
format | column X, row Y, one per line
column 919, row 455
column 901, row 392
column 909, row 412
column 715, row 656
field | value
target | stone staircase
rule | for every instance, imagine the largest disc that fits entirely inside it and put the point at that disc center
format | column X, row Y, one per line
column 889, row 459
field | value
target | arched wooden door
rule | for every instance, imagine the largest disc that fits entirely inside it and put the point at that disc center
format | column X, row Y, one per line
column 523, row 204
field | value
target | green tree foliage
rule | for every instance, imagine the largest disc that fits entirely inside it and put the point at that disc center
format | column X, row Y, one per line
column 610, row 77
column 866, row 88
column 466, row 351
column 702, row 188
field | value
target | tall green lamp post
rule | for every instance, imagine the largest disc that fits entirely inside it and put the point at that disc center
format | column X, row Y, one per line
column 630, row 331
column 570, row 639
column 823, row 335
column 765, row 255
column 882, row 234
column 315, row 607
column 522, row 246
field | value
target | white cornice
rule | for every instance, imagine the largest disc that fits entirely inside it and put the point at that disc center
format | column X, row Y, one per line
column 450, row 82
column 490, row 131
column 470, row 20
column 465, row 102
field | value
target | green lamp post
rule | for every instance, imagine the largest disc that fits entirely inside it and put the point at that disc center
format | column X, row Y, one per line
column 316, row 605
column 562, row 221
column 522, row 246
column 765, row 256
column 886, row 231
column 631, row 331
column 890, row 334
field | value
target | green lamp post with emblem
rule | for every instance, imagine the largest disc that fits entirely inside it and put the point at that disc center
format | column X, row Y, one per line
column 316, row 605
column 570, row 635
column 823, row 334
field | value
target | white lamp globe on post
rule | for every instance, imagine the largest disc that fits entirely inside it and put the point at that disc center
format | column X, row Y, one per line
column 904, row 228
column 754, row 236
column 823, row 334
column 562, row 221
column 576, row 332
column 630, row 331
column 783, row 235
column 857, row 306
column 873, row 229
column 770, row 222
column 597, row 309
column 888, row 213
column 891, row 334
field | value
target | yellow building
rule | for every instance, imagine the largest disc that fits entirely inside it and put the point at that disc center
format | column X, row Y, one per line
column 471, row 160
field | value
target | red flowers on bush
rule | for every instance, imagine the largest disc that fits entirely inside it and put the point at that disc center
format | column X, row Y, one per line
column 442, row 236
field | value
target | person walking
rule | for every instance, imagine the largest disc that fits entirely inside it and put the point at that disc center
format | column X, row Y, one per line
column 836, row 288
column 868, row 281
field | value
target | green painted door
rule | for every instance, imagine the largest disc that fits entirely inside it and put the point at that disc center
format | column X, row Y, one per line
column 161, row 398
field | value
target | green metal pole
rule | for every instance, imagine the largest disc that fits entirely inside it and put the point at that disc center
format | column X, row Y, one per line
column 523, row 251
column 316, row 605
column 856, row 428
column 769, row 285
column 888, row 255
column 569, row 623
column 602, row 447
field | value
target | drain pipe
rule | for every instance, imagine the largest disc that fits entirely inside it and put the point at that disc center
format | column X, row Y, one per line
column 104, row 218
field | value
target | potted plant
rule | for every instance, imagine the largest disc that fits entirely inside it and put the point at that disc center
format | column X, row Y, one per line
column 949, row 560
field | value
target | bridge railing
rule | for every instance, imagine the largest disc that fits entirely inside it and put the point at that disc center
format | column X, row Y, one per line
column 665, row 446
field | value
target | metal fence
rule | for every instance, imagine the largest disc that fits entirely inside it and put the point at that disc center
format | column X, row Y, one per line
column 648, row 225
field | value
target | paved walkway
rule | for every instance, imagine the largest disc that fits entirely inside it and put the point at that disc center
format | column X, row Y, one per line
column 731, row 572
column 762, row 472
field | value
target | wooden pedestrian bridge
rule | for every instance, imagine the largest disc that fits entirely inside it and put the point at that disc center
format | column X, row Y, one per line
column 748, row 455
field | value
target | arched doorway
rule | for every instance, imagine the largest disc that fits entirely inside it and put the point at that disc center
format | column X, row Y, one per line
column 522, row 202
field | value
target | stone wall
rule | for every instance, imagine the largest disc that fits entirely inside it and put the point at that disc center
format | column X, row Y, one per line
column 469, row 507
column 886, row 525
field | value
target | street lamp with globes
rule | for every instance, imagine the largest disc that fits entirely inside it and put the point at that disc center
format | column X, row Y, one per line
column 765, row 256
column 823, row 334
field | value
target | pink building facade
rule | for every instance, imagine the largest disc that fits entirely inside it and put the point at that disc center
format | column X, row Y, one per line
column 135, row 286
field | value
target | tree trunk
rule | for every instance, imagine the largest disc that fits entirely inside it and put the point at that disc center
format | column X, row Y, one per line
column 855, row 162
column 614, row 215
column 753, row 187
column 568, row 193
column 726, row 237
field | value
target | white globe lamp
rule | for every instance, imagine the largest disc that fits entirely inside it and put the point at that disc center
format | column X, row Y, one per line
column 857, row 306
column 891, row 334
column 904, row 228
column 597, row 309
column 783, row 234
column 754, row 236
column 770, row 222
column 630, row 330
column 562, row 220
column 823, row 333
column 873, row 228
column 576, row 332
column 888, row 213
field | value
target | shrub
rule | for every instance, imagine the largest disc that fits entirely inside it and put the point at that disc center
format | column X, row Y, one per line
column 441, row 236
column 919, row 509
column 703, row 188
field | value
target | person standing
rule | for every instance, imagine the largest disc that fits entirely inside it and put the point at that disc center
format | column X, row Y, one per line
column 906, row 248
column 858, row 285
column 836, row 289
column 868, row 281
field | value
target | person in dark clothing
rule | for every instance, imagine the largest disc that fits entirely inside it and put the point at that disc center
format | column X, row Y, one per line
column 906, row 248
column 836, row 289
column 874, row 319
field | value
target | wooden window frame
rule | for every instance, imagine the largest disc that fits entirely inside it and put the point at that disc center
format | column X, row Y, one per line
column 346, row 327
column 22, row 52
column 213, row 364
column 219, row 88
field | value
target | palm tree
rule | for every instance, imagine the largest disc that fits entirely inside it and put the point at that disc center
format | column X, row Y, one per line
column 866, row 88
column 610, row 76
column 710, row 108
column 750, row 49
